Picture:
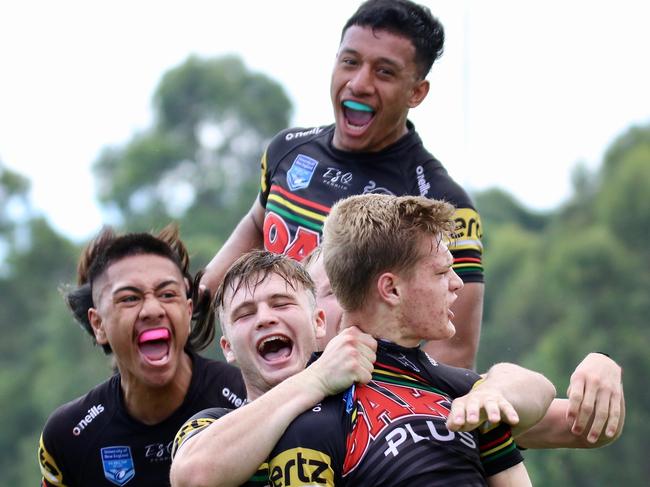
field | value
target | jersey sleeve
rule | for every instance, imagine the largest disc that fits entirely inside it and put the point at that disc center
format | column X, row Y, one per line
column 52, row 474
column 195, row 425
column 498, row 449
column 270, row 160
column 466, row 243
column 312, row 449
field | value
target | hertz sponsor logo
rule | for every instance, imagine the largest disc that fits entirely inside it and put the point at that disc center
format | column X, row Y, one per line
column 93, row 412
column 301, row 466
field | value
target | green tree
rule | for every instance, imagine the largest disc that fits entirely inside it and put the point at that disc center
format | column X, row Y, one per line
column 575, row 284
column 199, row 162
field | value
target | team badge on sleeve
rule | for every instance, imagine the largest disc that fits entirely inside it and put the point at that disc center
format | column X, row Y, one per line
column 301, row 171
column 118, row 464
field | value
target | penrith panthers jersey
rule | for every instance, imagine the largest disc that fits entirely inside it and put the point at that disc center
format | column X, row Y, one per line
column 303, row 175
column 92, row 441
column 392, row 431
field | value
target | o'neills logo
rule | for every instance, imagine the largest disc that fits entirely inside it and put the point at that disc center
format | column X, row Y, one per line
column 93, row 412
column 423, row 184
column 297, row 135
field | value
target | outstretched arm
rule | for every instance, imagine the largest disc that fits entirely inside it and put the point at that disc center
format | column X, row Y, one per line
column 246, row 236
column 596, row 402
column 508, row 393
column 229, row 451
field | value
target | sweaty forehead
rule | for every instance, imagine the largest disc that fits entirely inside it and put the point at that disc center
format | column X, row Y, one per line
column 141, row 270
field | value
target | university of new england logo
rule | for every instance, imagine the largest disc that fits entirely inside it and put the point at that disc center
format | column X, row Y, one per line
column 300, row 172
column 118, row 464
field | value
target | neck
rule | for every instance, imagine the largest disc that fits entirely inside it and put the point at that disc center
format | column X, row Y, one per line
column 381, row 322
column 153, row 404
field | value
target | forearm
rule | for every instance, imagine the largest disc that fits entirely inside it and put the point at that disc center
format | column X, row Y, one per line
column 516, row 476
column 529, row 392
column 228, row 452
column 554, row 430
column 460, row 350
column 246, row 236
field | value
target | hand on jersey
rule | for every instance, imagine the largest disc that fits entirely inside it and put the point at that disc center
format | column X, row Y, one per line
column 482, row 403
column 347, row 358
column 595, row 392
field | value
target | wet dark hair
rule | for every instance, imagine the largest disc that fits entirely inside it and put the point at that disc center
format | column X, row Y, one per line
column 406, row 19
column 108, row 248
column 252, row 268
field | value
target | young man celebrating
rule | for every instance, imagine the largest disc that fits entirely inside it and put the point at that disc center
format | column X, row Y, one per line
column 269, row 319
column 135, row 299
column 591, row 417
column 391, row 270
column 387, row 49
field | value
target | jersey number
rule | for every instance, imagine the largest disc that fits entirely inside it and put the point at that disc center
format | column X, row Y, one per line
column 277, row 238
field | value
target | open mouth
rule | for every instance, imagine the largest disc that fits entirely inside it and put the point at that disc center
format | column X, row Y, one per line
column 154, row 344
column 357, row 114
column 275, row 347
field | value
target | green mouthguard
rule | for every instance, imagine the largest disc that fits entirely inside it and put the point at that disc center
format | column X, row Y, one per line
column 354, row 105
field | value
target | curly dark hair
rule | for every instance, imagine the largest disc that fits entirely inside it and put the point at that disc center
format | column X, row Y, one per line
column 108, row 247
column 406, row 19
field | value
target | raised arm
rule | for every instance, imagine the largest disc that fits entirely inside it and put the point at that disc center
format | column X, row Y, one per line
column 509, row 393
column 246, row 236
column 460, row 350
column 229, row 451
column 596, row 405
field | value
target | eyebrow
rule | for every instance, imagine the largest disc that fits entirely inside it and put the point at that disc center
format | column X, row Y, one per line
column 136, row 289
column 385, row 60
column 252, row 302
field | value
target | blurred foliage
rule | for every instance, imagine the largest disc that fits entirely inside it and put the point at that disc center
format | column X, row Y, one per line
column 559, row 284
column 199, row 161
column 578, row 282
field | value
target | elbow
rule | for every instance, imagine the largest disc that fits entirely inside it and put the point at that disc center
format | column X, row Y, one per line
column 549, row 392
column 188, row 474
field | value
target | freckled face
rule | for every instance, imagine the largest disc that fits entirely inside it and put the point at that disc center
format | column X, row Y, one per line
column 429, row 293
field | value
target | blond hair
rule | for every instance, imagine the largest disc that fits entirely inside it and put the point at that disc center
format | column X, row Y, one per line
column 366, row 235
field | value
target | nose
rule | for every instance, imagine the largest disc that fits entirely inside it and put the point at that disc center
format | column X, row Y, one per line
column 265, row 316
column 151, row 308
column 360, row 83
column 455, row 283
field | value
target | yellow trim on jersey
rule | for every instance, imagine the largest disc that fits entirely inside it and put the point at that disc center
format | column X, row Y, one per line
column 263, row 177
column 188, row 430
column 497, row 448
column 298, row 209
column 49, row 469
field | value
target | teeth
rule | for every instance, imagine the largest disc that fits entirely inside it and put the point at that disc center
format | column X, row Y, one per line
column 271, row 339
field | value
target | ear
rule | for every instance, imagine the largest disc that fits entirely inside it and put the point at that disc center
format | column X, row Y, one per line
column 98, row 326
column 319, row 321
column 190, row 309
column 388, row 288
column 228, row 352
column 419, row 93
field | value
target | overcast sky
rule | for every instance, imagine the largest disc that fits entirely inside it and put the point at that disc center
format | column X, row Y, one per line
column 524, row 91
